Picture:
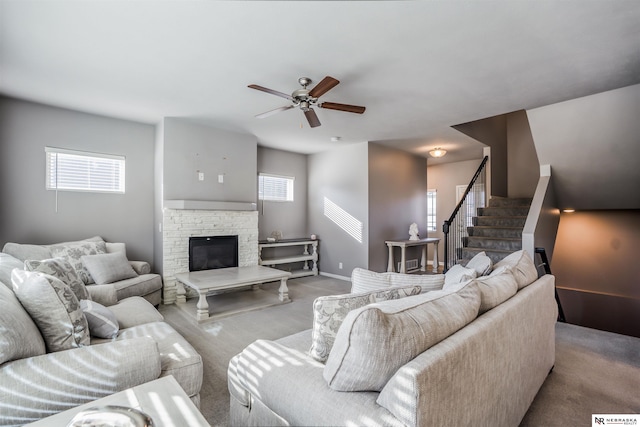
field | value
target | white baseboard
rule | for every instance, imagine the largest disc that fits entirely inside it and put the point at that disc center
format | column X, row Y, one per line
column 336, row 276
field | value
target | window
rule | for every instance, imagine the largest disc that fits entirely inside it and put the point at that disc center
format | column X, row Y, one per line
column 431, row 210
column 275, row 188
column 71, row 170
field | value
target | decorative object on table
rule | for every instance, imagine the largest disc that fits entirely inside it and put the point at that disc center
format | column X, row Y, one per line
column 314, row 237
column 413, row 232
column 109, row 416
column 277, row 234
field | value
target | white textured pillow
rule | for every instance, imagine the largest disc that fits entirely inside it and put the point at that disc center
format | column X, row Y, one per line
column 376, row 340
column 53, row 307
column 496, row 289
column 363, row 280
column 522, row 268
column 330, row 311
column 458, row 274
column 481, row 263
column 108, row 268
column 102, row 321
column 73, row 252
column 61, row 269
column 428, row 282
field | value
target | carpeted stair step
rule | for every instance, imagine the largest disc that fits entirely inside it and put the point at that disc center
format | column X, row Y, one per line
column 491, row 243
column 495, row 201
column 500, row 221
column 504, row 211
column 494, row 254
column 508, row 232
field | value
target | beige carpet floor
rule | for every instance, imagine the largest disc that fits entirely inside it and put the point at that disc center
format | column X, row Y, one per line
column 595, row 371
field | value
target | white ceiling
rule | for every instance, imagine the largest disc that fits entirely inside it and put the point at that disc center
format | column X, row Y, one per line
column 418, row 67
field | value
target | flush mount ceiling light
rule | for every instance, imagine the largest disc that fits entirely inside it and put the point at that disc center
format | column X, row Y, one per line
column 438, row 152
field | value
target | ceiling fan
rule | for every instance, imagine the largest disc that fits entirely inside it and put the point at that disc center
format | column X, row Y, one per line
column 305, row 99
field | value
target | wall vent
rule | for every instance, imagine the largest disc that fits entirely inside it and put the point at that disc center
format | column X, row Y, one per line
column 410, row 264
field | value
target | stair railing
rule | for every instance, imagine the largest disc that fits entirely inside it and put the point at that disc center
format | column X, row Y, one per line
column 455, row 228
column 547, row 269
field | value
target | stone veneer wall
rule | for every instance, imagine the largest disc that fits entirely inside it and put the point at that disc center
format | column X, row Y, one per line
column 180, row 224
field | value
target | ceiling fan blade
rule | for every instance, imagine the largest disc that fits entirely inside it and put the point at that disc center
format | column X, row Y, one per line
column 274, row 111
column 312, row 118
column 271, row 91
column 323, row 87
column 342, row 107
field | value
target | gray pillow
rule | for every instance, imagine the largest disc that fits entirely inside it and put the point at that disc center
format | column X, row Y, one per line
column 330, row 311
column 102, row 321
column 458, row 274
column 481, row 263
column 61, row 269
column 522, row 268
column 108, row 268
column 496, row 289
column 19, row 336
column 53, row 307
column 73, row 252
column 376, row 340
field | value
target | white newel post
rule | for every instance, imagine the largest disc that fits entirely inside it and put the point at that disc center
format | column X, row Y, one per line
column 180, row 224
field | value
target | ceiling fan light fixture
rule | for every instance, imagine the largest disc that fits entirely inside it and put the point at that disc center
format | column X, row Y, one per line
column 437, row 152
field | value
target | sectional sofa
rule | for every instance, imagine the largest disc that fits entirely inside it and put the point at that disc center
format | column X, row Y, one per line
column 64, row 343
column 475, row 352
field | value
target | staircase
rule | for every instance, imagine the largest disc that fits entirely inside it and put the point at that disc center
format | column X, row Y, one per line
column 497, row 229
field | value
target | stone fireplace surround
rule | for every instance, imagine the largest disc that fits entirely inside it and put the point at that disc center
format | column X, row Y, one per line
column 179, row 224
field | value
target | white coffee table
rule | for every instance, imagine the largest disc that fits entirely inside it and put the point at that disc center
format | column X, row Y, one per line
column 163, row 400
column 220, row 279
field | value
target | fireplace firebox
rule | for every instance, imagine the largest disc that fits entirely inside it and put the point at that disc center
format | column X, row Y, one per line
column 211, row 252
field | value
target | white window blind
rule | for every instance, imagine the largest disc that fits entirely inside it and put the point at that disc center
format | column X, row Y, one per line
column 275, row 188
column 81, row 171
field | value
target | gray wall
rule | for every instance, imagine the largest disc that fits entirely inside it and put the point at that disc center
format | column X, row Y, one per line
column 397, row 198
column 523, row 168
column 340, row 176
column 27, row 211
column 596, row 266
column 444, row 178
column 288, row 217
column 593, row 146
column 492, row 131
column 191, row 147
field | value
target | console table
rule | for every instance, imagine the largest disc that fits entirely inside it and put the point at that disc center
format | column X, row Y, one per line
column 272, row 260
column 404, row 244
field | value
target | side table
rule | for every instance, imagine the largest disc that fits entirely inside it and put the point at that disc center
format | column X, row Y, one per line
column 163, row 400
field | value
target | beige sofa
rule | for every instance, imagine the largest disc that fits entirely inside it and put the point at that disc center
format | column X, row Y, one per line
column 143, row 283
column 51, row 359
column 488, row 347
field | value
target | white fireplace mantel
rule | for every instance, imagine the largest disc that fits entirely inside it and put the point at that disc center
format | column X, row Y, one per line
column 210, row 205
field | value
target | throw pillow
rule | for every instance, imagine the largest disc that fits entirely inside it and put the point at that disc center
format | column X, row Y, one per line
column 458, row 274
column 108, row 268
column 428, row 282
column 330, row 311
column 61, row 269
column 363, row 280
column 19, row 336
column 102, row 321
column 376, row 340
column 522, row 267
column 73, row 252
column 481, row 263
column 496, row 289
column 53, row 307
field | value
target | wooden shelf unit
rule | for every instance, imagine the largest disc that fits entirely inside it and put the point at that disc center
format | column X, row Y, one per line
column 308, row 254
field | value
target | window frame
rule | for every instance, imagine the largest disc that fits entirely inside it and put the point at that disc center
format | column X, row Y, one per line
column 290, row 188
column 432, row 214
column 52, row 180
